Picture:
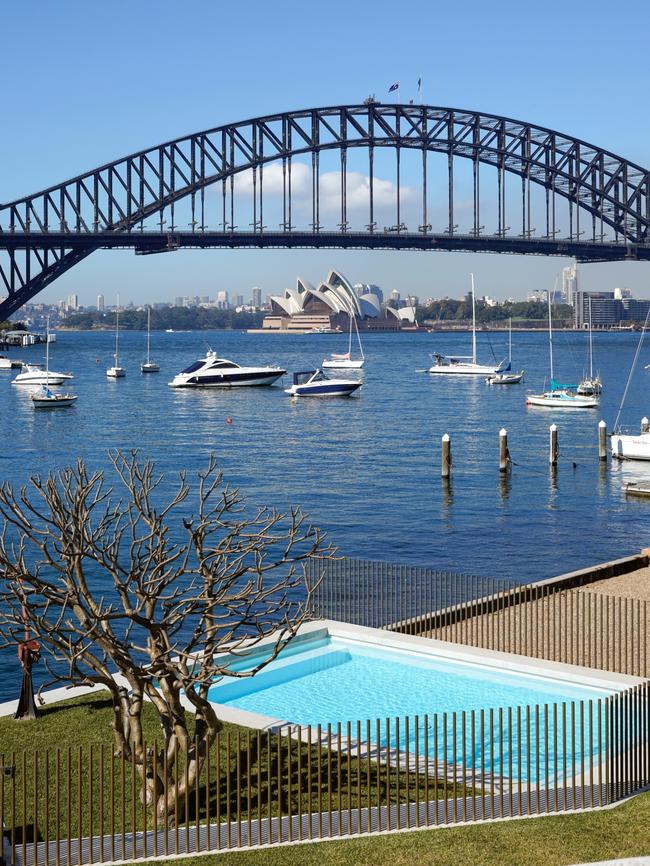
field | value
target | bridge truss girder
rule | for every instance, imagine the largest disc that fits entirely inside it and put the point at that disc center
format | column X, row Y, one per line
column 59, row 226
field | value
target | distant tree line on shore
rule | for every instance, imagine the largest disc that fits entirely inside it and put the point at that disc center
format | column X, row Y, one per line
column 178, row 318
column 449, row 309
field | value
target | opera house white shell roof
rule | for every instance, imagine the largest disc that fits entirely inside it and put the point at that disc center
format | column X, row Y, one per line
column 336, row 293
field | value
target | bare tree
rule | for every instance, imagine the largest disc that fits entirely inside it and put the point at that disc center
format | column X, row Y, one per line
column 133, row 595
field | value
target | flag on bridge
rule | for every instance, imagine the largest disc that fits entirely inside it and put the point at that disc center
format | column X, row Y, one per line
column 393, row 87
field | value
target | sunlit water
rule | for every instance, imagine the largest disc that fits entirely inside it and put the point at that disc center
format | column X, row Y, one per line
column 367, row 468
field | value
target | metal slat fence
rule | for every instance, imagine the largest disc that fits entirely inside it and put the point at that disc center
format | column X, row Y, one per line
column 83, row 805
column 544, row 620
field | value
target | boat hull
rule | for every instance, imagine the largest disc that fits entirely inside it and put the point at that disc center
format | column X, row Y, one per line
column 54, row 402
column 149, row 368
column 238, row 378
column 116, row 372
column 41, row 378
column 324, row 389
column 463, row 370
column 342, row 365
column 505, row 378
column 625, row 447
column 561, row 400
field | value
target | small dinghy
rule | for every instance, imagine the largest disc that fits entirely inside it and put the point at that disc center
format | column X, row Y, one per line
column 638, row 488
column 505, row 378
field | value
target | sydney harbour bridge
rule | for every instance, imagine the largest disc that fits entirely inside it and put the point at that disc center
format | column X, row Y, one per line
column 459, row 180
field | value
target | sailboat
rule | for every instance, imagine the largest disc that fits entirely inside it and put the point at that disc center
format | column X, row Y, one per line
column 465, row 365
column 560, row 396
column 149, row 366
column 507, row 377
column 45, row 398
column 344, row 360
column 116, row 372
column 590, row 385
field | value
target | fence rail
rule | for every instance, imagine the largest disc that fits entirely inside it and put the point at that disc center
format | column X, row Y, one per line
column 71, row 807
column 540, row 620
column 84, row 805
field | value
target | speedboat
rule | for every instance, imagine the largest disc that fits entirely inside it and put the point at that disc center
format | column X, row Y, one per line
column 314, row 383
column 46, row 399
column 34, row 374
column 215, row 372
column 9, row 363
column 505, row 378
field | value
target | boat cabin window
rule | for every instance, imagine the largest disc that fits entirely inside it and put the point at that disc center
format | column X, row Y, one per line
column 193, row 367
column 303, row 377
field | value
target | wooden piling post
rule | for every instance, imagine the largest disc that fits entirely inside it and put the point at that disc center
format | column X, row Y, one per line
column 645, row 425
column 504, row 456
column 553, row 449
column 446, row 456
column 602, row 440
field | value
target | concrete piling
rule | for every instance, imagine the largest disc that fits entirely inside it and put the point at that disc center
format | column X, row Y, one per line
column 602, row 440
column 553, row 447
column 446, row 456
column 504, row 455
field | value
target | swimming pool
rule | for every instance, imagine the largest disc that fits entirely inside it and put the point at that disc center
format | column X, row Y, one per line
column 505, row 714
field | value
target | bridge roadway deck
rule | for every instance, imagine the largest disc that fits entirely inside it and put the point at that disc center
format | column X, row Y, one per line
column 149, row 242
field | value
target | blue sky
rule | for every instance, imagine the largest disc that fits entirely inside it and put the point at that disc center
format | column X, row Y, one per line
column 84, row 83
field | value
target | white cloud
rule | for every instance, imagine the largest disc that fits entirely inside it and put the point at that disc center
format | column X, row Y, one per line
column 358, row 187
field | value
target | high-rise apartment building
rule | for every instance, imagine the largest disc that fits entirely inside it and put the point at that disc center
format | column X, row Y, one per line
column 570, row 284
column 100, row 303
column 257, row 297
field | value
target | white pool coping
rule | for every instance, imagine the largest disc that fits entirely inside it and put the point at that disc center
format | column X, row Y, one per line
column 439, row 650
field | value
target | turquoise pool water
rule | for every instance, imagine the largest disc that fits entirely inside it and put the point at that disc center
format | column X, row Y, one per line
column 329, row 680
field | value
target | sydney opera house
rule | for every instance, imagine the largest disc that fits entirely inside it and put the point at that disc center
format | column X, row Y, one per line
column 328, row 306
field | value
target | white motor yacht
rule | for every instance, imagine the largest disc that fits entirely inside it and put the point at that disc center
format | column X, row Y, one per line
column 215, row 372
column 314, row 383
column 632, row 446
column 34, row 374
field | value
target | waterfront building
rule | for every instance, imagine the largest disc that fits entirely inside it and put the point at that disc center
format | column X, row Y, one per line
column 606, row 310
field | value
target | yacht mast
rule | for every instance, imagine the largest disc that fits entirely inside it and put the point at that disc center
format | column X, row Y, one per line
column 47, row 350
column 473, row 323
column 510, row 340
column 148, row 330
column 117, row 328
column 591, row 350
column 550, row 335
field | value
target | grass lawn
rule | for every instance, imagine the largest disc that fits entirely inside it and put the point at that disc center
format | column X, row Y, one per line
column 67, row 781
column 552, row 841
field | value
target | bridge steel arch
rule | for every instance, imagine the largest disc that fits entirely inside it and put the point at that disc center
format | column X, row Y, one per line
column 48, row 232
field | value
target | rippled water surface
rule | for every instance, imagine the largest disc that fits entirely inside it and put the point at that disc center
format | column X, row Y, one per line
column 366, row 469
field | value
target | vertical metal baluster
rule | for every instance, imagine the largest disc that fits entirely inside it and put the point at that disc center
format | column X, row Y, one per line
column 319, row 770
column 445, row 768
column 510, row 778
column 310, row 757
column 454, row 746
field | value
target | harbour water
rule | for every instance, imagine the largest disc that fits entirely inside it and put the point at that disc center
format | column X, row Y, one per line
column 366, row 469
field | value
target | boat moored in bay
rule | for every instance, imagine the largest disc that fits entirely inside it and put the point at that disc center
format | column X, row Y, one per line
column 215, row 372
